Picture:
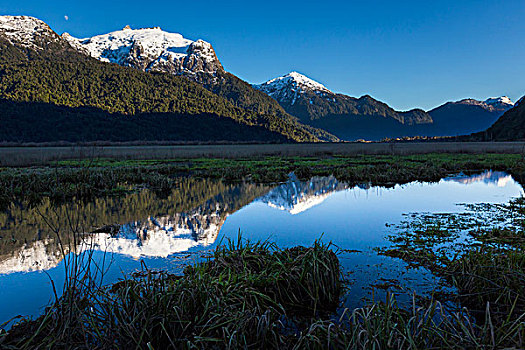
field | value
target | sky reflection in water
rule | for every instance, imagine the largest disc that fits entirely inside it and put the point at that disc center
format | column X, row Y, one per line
column 294, row 213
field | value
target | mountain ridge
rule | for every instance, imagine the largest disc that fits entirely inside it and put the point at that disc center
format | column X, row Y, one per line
column 293, row 105
column 347, row 117
column 36, row 71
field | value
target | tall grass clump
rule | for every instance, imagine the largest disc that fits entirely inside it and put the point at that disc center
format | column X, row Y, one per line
column 247, row 295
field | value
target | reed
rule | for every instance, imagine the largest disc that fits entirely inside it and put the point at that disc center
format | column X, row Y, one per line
column 249, row 296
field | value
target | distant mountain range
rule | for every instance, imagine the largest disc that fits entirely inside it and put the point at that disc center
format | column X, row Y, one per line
column 352, row 118
column 61, row 88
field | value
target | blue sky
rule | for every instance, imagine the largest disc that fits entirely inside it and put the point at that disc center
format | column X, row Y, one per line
column 406, row 53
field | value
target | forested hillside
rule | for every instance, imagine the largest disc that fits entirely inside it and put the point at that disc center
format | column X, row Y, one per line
column 509, row 127
column 61, row 77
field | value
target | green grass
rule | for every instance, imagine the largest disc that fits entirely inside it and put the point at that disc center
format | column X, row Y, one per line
column 480, row 254
column 88, row 179
column 250, row 296
column 238, row 299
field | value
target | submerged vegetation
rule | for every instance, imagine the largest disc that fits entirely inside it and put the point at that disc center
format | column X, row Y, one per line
column 479, row 256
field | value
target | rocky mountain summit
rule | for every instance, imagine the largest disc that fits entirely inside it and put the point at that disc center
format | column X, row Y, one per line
column 28, row 32
column 150, row 49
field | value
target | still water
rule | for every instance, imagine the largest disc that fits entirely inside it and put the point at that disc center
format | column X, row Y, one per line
column 168, row 232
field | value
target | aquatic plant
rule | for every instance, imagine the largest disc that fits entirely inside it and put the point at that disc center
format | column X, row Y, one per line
column 250, row 295
column 478, row 253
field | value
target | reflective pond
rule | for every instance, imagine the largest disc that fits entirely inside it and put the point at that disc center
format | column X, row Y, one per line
column 170, row 231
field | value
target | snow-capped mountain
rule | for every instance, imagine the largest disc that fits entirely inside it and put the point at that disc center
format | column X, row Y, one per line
column 494, row 104
column 27, row 31
column 290, row 87
column 150, row 49
column 347, row 117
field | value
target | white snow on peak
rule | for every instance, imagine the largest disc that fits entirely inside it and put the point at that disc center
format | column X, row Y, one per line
column 25, row 30
column 292, row 86
column 499, row 100
column 494, row 104
column 293, row 80
column 154, row 42
column 152, row 47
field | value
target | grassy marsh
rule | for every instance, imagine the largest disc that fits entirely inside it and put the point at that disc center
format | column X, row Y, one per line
column 251, row 295
column 256, row 295
column 88, row 179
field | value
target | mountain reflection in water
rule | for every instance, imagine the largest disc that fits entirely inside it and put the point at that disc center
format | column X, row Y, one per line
column 296, row 196
column 147, row 226
column 497, row 178
column 144, row 233
column 198, row 213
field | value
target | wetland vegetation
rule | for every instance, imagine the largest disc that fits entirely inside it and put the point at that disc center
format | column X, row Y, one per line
column 92, row 178
column 257, row 294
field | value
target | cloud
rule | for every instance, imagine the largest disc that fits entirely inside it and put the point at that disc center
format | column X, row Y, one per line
column 66, row 17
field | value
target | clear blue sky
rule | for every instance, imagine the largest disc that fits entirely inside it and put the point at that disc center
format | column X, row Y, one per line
column 406, row 53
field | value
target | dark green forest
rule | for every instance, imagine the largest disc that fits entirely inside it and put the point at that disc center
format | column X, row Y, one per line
column 58, row 86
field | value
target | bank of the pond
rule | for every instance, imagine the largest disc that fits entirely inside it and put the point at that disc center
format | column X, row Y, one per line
column 248, row 296
column 88, row 179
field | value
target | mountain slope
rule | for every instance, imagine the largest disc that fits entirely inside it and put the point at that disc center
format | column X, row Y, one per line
column 346, row 117
column 36, row 70
column 467, row 116
column 155, row 50
column 509, row 127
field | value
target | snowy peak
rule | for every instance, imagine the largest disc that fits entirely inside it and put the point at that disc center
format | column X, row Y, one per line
column 293, row 81
column 494, row 104
column 27, row 31
column 150, row 49
column 292, row 86
column 500, row 102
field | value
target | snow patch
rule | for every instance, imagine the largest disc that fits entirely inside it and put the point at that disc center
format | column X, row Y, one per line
column 494, row 104
column 26, row 31
column 149, row 49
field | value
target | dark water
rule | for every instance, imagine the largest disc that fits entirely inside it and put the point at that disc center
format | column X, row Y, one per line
column 166, row 233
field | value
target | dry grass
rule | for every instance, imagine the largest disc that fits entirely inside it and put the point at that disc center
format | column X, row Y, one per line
column 27, row 156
